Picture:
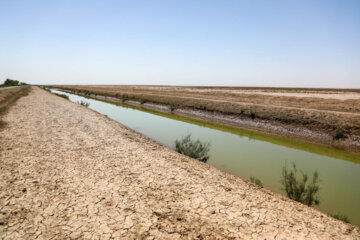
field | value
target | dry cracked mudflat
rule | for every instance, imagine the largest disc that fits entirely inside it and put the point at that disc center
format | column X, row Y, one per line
column 68, row 172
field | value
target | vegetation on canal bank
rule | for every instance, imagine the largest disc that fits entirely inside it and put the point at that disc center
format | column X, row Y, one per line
column 193, row 149
column 257, row 181
column 62, row 95
column 84, row 103
column 309, row 108
column 254, row 180
column 300, row 189
column 340, row 217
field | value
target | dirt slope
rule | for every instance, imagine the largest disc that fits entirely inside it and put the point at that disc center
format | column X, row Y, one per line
column 68, row 172
column 326, row 116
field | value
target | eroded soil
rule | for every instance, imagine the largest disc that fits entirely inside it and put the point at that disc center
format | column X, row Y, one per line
column 69, row 172
column 323, row 112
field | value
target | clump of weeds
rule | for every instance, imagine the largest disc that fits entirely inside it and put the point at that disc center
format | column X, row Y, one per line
column 300, row 190
column 84, row 103
column 193, row 149
column 257, row 181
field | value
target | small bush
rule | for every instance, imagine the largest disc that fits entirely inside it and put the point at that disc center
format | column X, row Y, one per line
column 83, row 103
column 338, row 134
column 172, row 107
column 193, row 149
column 299, row 190
column 252, row 114
column 142, row 100
column 341, row 217
column 62, row 95
column 124, row 97
column 46, row 89
column 242, row 110
column 256, row 181
column 203, row 107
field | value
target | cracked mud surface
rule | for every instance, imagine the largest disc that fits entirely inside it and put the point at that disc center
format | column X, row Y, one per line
column 68, row 172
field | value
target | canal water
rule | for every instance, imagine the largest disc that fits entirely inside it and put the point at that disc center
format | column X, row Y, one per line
column 247, row 153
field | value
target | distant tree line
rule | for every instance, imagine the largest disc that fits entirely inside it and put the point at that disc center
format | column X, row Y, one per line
column 9, row 82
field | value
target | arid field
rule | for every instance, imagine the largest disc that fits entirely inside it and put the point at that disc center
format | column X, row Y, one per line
column 68, row 172
column 326, row 112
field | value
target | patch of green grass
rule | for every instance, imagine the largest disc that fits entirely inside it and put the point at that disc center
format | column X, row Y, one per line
column 256, row 181
column 62, row 95
column 193, row 149
column 142, row 100
column 45, row 88
column 340, row 217
column 87, row 92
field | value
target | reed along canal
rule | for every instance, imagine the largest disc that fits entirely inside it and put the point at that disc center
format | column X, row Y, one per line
column 246, row 153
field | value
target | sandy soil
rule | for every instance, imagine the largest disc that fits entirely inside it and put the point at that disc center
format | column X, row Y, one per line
column 69, row 172
column 291, row 92
column 340, row 96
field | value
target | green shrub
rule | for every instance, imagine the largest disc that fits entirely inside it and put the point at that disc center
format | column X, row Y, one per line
column 62, row 95
column 341, row 217
column 242, row 110
column 124, row 97
column 338, row 133
column 300, row 190
column 46, row 89
column 172, row 107
column 83, row 103
column 193, row 149
column 203, row 107
column 142, row 100
column 252, row 114
column 256, row 181
column 87, row 92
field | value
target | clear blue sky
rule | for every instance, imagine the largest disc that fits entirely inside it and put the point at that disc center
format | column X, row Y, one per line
column 311, row 43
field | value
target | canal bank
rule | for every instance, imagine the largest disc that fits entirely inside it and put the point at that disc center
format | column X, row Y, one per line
column 68, row 171
column 247, row 153
column 332, row 122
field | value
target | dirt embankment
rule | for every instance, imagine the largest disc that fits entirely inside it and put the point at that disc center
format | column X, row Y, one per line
column 69, row 172
column 8, row 97
column 314, row 115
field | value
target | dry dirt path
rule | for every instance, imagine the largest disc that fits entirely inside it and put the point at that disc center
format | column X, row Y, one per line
column 69, row 172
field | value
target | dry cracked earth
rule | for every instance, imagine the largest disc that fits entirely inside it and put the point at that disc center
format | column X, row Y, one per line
column 68, row 172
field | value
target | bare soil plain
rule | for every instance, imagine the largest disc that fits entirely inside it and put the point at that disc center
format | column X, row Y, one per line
column 68, row 172
column 309, row 114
